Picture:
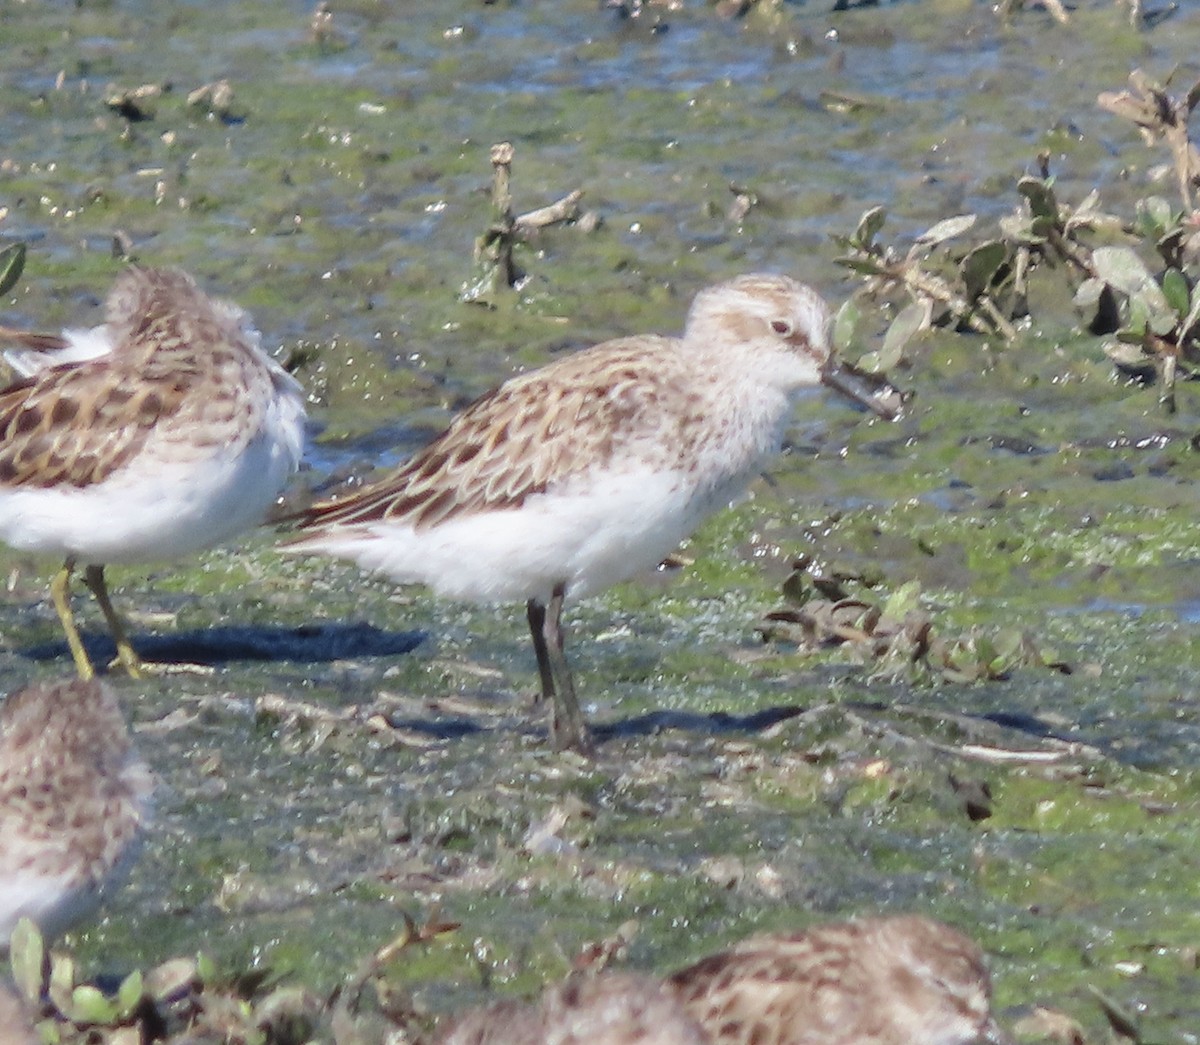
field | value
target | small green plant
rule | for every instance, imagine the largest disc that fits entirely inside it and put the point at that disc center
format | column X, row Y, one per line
column 1148, row 311
column 893, row 633
column 191, row 997
column 12, row 264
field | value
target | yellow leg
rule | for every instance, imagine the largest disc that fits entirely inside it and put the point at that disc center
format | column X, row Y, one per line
column 60, row 595
column 93, row 577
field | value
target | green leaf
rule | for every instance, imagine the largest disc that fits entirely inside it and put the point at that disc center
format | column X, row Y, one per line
column 867, row 266
column 1042, row 226
column 27, row 955
column 1019, row 229
column 1162, row 321
column 1042, row 201
column 845, row 323
column 1193, row 96
column 980, row 266
column 1175, row 289
column 912, row 318
column 798, row 588
column 946, row 229
column 1088, row 294
column 903, row 600
column 869, row 225
column 90, row 1006
column 206, row 969
column 12, row 264
column 1089, row 206
column 1124, row 271
column 1185, row 328
column 1124, row 352
column 62, row 981
column 1139, row 321
column 130, row 994
column 1154, row 216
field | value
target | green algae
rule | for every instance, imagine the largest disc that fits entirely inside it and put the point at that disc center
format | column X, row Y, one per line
column 1025, row 487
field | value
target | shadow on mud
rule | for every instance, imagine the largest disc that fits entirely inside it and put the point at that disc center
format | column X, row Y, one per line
column 307, row 644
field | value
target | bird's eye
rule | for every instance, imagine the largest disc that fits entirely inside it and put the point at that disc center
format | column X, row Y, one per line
column 781, row 327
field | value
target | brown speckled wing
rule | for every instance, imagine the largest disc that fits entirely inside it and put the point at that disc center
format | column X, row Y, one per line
column 532, row 432
column 876, row 980
column 75, row 424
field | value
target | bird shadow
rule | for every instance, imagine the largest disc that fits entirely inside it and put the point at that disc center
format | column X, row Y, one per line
column 224, row 644
column 985, row 726
column 990, row 725
column 713, row 723
column 457, row 726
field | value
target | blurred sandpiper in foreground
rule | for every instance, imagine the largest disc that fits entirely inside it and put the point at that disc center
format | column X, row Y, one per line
column 904, row 980
column 74, row 799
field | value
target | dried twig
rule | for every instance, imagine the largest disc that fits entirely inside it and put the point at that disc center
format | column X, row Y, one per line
column 496, row 269
column 1158, row 117
column 566, row 209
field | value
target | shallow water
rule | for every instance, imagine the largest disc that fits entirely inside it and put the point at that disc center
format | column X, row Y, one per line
column 338, row 201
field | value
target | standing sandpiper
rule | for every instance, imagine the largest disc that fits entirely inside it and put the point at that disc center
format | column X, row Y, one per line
column 74, row 797
column 572, row 477
column 163, row 431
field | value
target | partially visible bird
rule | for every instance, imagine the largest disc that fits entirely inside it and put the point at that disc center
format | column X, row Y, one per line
column 905, row 980
column 75, row 797
column 165, row 430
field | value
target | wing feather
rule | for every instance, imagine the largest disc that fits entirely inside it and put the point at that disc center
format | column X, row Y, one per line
column 532, row 432
column 75, row 424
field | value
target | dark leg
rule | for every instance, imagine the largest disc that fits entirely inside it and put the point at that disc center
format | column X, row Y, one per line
column 568, row 727
column 536, row 612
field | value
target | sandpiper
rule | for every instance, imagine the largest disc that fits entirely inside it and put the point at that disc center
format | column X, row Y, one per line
column 574, row 476
column 879, row 981
column 609, row 1009
column 74, row 798
column 165, row 430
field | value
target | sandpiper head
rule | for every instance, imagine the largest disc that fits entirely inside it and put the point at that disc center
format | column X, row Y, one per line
column 784, row 322
column 944, row 975
column 785, row 325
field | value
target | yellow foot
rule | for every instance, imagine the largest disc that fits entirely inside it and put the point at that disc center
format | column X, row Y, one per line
column 126, row 657
column 60, row 595
column 142, row 668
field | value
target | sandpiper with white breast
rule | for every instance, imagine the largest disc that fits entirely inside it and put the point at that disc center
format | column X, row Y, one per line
column 577, row 475
column 163, row 431
column 74, row 799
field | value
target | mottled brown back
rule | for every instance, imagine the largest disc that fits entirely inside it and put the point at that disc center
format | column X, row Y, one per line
column 883, row 981
column 77, row 423
column 533, row 431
